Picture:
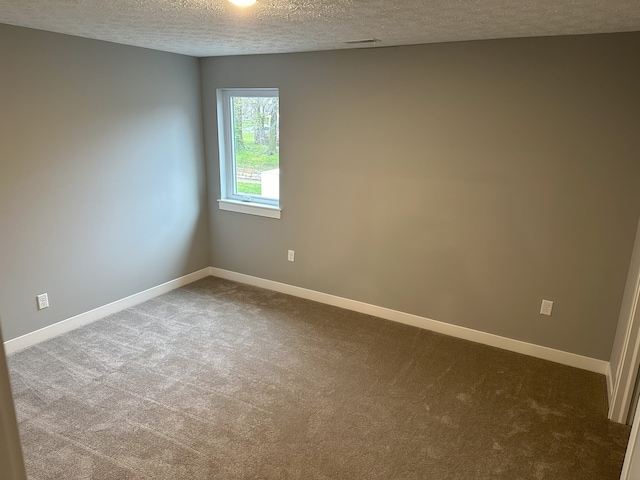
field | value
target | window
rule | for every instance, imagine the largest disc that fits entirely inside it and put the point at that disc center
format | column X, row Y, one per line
column 249, row 139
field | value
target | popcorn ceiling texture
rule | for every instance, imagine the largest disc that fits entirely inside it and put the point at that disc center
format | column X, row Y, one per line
column 215, row 27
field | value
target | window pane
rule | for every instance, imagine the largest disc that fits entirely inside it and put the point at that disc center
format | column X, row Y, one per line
column 256, row 139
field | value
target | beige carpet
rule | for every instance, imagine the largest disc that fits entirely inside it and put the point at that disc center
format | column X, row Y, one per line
column 219, row 380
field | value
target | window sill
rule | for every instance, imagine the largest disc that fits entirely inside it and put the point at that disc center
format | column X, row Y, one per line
column 249, row 208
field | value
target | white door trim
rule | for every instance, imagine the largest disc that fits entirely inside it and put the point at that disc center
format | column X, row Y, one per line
column 631, row 465
column 624, row 378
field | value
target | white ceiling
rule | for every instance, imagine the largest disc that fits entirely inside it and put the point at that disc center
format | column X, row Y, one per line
column 215, row 27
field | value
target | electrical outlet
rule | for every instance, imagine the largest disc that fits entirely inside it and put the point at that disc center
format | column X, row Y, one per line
column 291, row 256
column 546, row 307
column 43, row 301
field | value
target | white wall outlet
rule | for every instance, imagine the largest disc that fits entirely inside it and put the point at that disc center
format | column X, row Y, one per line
column 291, row 256
column 43, row 301
column 546, row 307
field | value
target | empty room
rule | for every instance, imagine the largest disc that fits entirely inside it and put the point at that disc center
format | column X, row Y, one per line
column 319, row 240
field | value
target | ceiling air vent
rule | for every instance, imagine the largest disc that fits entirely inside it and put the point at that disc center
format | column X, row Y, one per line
column 362, row 42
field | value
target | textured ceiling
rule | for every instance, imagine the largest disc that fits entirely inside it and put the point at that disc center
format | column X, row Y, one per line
column 215, row 27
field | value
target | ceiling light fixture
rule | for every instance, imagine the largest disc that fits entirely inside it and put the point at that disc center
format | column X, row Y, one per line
column 243, row 3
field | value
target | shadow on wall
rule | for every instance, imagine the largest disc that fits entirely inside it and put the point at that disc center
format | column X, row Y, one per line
column 11, row 462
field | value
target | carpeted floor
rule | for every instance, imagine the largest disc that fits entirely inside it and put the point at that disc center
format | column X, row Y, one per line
column 219, row 380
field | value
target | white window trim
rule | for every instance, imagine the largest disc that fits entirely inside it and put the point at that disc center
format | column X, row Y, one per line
column 228, row 201
column 250, row 208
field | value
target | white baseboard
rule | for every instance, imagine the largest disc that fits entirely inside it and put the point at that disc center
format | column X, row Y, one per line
column 72, row 323
column 546, row 353
column 538, row 351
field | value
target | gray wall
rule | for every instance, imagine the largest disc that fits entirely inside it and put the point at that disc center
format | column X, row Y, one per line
column 102, row 185
column 462, row 182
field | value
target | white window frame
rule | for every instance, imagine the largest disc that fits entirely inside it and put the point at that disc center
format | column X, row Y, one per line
column 230, row 201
